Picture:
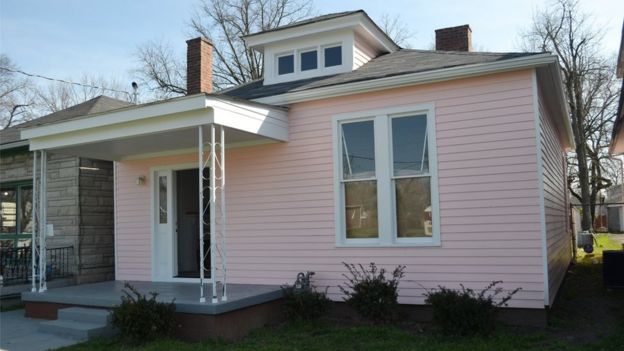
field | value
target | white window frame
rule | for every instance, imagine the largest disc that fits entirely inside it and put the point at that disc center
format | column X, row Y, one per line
column 386, row 205
column 295, row 62
column 306, row 50
column 329, row 46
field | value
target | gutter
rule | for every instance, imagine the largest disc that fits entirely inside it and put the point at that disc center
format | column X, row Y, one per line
column 14, row 145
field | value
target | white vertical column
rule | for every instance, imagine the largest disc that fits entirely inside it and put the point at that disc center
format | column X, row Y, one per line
column 200, row 146
column 42, row 222
column 33, row 240
column 223, row 216
column 213, row 195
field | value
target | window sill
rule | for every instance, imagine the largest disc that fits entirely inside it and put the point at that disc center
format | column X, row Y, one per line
column 430, row 243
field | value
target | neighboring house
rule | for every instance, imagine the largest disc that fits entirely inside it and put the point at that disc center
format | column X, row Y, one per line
column 80, row 201
column 351, row 149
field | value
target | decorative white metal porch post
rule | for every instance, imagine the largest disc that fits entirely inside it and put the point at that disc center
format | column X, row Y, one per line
column 33, row 239
column 200, row 150
column 216, row 164
column 222, row 227
column 42, row 220
column 212, row 209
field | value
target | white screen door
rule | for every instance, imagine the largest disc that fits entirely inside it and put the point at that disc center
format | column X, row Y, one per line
column 164, row 224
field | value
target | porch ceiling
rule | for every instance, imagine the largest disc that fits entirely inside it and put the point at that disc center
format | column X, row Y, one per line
column 157, row 144
column 159, row 128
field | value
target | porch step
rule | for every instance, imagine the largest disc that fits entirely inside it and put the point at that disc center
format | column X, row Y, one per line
column 88, row 315
column 80, row 323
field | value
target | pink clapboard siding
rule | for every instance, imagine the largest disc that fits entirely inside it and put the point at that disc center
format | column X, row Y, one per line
column 558, row 239
column 280, row 196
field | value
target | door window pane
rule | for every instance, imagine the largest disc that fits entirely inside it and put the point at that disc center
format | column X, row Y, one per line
column 26, row 211
column 358, row 150
column 413, row 207
column 333, row 56
column 361, row 209
column 285, row 64
column 308, row 60
column 8, row 211
column 162, row 199
column 409, row 145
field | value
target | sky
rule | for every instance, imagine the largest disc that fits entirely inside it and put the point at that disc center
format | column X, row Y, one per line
column 69, row 38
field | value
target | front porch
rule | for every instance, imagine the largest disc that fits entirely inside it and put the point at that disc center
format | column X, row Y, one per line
column 176, row 209
column 248, row 306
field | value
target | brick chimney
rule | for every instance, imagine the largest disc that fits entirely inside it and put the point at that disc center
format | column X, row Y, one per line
column 454, row 38
column 198, row 66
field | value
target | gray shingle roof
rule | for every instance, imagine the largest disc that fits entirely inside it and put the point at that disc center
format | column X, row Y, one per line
column 98, row 104
column 308, row 21
column 404, row 61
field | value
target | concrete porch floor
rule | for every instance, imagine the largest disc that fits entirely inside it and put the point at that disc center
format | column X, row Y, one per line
column 108, row 294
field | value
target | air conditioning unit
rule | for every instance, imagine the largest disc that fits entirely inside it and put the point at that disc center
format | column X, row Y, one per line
column 613, row 269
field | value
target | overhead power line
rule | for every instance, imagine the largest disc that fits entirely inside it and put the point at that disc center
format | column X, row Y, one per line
column 64, row 81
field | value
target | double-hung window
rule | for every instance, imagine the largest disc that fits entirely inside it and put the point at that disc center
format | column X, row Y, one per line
column 386, row 185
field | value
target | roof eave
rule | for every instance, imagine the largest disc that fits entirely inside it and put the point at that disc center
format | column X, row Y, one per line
column 354, row 20
column 417, row 78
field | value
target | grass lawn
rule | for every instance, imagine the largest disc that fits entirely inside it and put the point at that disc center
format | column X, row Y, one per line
column 585, row 317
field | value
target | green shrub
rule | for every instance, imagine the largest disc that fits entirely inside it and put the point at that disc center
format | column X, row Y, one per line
column 465, row 312
column 305, row 304
column 370, row 293
column 140, row 319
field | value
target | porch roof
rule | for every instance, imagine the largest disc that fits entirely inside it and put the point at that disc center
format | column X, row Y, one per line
column 168, row 126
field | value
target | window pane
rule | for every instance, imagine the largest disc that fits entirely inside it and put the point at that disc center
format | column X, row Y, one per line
column 308, row 60
column 8, row 211
column 333, row 56
column 162, row 199
column 286, row 64
column 409, row 145
column 26, row 210
column 413, row 207
column 358, row 150
column 361, row 209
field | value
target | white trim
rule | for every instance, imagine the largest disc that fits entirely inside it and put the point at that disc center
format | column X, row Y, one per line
column 410, row 79
column 115, row 218
column 285, row 54
column 383, row 168
column 540, row 185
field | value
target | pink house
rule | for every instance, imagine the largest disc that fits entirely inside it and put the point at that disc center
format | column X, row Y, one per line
column 351, row 149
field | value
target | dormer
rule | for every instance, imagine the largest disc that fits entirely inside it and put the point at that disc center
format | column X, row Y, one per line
column 325, row 45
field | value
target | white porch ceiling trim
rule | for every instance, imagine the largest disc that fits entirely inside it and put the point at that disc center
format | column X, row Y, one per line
column 180, row 113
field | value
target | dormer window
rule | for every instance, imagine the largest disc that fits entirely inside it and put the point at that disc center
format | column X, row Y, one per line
column 309, row 60
column 333, row 56
column 286, row 64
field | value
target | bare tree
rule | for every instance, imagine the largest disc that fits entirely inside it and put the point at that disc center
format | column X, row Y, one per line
column 58, row 96
column 396, row 29
column 16, row 95
column 160, row 70
column 224, row 23
column 588, row 78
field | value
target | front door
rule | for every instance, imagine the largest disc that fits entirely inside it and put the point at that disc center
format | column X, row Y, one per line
column 176, row 236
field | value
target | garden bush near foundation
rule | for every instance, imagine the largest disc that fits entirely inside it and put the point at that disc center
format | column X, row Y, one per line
column 466, row 312
column 371, row 293
column 140, row 319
